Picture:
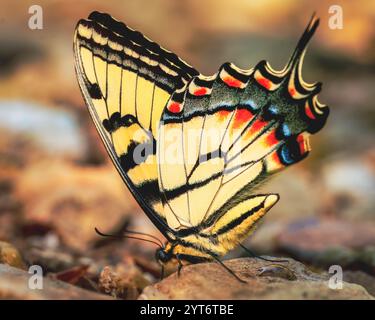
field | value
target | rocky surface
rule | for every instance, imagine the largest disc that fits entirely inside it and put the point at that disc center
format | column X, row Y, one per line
column 14, row 284
column 264, row 280
column 278, row 278
column 324, row 242
column 11, row 256
column 75, row 204
column 318, row 235
column 362, row 279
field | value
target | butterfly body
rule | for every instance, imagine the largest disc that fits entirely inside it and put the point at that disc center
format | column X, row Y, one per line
column 192, row 149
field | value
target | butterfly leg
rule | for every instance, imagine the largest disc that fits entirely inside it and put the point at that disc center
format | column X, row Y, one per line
column 252, row 254
column 228, row 269
column 162, row 273
column 180, row 265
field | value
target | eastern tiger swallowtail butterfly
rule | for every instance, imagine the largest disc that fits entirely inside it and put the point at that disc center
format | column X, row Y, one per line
column 192, row 148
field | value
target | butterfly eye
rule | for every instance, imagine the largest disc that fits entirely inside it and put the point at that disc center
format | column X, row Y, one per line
column 161, row 255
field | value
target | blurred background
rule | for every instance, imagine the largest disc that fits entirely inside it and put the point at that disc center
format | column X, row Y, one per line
column 57, row 182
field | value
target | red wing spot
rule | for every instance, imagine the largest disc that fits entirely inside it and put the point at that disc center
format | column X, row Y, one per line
column 222, row 114
column 264, row 82
column 292, row 91
column 200, row 92
column 257, row 125
column 174, row 107
column 232, row 82
column 309, row 113
column 300, row 138
column 241, row 116
column 302, row 148
column 271, row 138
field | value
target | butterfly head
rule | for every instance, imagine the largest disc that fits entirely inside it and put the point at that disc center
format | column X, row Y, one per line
column 164, row 254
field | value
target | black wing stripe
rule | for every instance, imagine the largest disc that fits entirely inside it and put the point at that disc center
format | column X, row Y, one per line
column 137, row 37
column 121, row 59
column 133, row 48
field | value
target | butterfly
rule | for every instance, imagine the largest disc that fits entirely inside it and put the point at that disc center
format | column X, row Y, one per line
column 192, row 149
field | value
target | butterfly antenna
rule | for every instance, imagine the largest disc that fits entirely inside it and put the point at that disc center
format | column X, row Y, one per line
column 125, row 236
column 145, row 234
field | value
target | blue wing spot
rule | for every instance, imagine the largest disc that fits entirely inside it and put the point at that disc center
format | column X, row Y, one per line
column 290, row 153
column 273, row 109
column 286, row 130
column 286, row 155
column 250, row 103
column 224, row 104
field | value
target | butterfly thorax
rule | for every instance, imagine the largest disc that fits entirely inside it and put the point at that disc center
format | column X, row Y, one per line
column 183, row 252
column 202, row 246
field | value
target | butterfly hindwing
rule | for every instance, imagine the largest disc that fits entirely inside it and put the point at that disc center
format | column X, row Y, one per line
column 250, row 124
column 126, row 80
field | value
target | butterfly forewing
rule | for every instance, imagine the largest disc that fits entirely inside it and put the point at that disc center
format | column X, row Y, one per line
column 126, row 80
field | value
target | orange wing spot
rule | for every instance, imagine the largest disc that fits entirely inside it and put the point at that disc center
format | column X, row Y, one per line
column 232, row 82
column 292, row 91
column 255, row 127
column 302, row 144
column 241, row 116
column 302, row 147
column 200, row 92
column 175, row 107
column 308, row 112
column 271, row 139
column 222, row 114
column 264, row 82
column 276, row 159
